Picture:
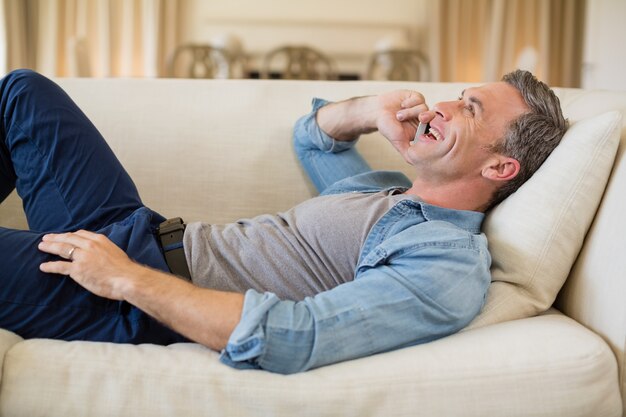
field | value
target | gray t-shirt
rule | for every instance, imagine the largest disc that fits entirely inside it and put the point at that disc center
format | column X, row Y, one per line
column 308, row 249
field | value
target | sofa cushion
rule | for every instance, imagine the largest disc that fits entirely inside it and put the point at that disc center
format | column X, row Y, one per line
column 7, row 340
column 541, row 366
column 536, row 233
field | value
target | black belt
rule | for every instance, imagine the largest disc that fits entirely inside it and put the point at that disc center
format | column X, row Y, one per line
column 171, row 234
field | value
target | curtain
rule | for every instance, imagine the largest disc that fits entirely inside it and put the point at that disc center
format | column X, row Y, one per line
column 98, row 38
column 480, row 40
column 13, row 35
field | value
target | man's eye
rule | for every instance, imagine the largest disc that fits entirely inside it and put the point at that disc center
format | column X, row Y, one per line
column 468, row 107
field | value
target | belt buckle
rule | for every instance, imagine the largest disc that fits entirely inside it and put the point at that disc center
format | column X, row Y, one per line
column 171, row 234
column 170, row 226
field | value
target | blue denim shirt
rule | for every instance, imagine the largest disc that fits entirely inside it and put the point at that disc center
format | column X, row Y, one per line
column 422, row 274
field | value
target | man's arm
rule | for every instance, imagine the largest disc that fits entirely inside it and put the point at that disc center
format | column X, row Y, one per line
column 394, row 114
column 205, row 316
column 428, row 292
column 396, row 300
column 346, row 120
column 324, row 139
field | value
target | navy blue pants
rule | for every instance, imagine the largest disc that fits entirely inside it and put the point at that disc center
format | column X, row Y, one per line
column 68, row 179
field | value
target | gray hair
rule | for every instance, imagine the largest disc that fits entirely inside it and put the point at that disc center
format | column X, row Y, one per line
column 532, row 136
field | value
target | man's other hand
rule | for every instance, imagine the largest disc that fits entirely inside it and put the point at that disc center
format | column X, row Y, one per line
column 92, row 260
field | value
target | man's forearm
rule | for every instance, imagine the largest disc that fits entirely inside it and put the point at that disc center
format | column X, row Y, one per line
column 346, row 120
column 202, row 315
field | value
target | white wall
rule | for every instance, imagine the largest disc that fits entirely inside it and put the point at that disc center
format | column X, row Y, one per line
column 604, row 59
column 390, row 11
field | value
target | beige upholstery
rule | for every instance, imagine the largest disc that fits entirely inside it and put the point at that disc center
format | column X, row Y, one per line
column 220, row 150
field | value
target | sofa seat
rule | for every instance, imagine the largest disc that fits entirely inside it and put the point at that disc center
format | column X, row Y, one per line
column 474, row 373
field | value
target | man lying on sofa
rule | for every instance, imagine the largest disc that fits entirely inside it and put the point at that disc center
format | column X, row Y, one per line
column 376, row 262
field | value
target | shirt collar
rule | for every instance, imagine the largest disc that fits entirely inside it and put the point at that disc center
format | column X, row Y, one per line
column 466, row 219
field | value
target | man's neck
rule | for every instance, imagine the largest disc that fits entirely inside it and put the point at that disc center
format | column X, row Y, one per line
column 459, row 195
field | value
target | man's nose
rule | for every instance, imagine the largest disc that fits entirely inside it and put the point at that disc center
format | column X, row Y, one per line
column 445, row 109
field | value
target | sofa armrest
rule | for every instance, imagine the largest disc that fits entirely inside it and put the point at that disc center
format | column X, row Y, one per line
column 594, row 291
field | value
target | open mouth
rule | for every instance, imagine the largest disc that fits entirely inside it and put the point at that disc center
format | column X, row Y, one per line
column 434, row 134
column 428, row 132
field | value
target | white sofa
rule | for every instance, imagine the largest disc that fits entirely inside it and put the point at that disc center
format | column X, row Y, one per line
column 220, row 150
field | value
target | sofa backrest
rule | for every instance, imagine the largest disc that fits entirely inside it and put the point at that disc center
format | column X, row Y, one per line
column 220, row 150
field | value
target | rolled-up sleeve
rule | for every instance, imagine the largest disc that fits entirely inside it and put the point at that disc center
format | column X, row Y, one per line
column 325, row 159
column 388, row 306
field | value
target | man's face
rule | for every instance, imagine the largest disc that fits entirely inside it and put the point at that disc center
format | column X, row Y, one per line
column 462, row 130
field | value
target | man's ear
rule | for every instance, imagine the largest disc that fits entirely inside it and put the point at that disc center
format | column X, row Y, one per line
column 501, row 168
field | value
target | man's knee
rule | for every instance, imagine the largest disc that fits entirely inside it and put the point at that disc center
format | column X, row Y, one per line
column 22, row 74
column 21, row 79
